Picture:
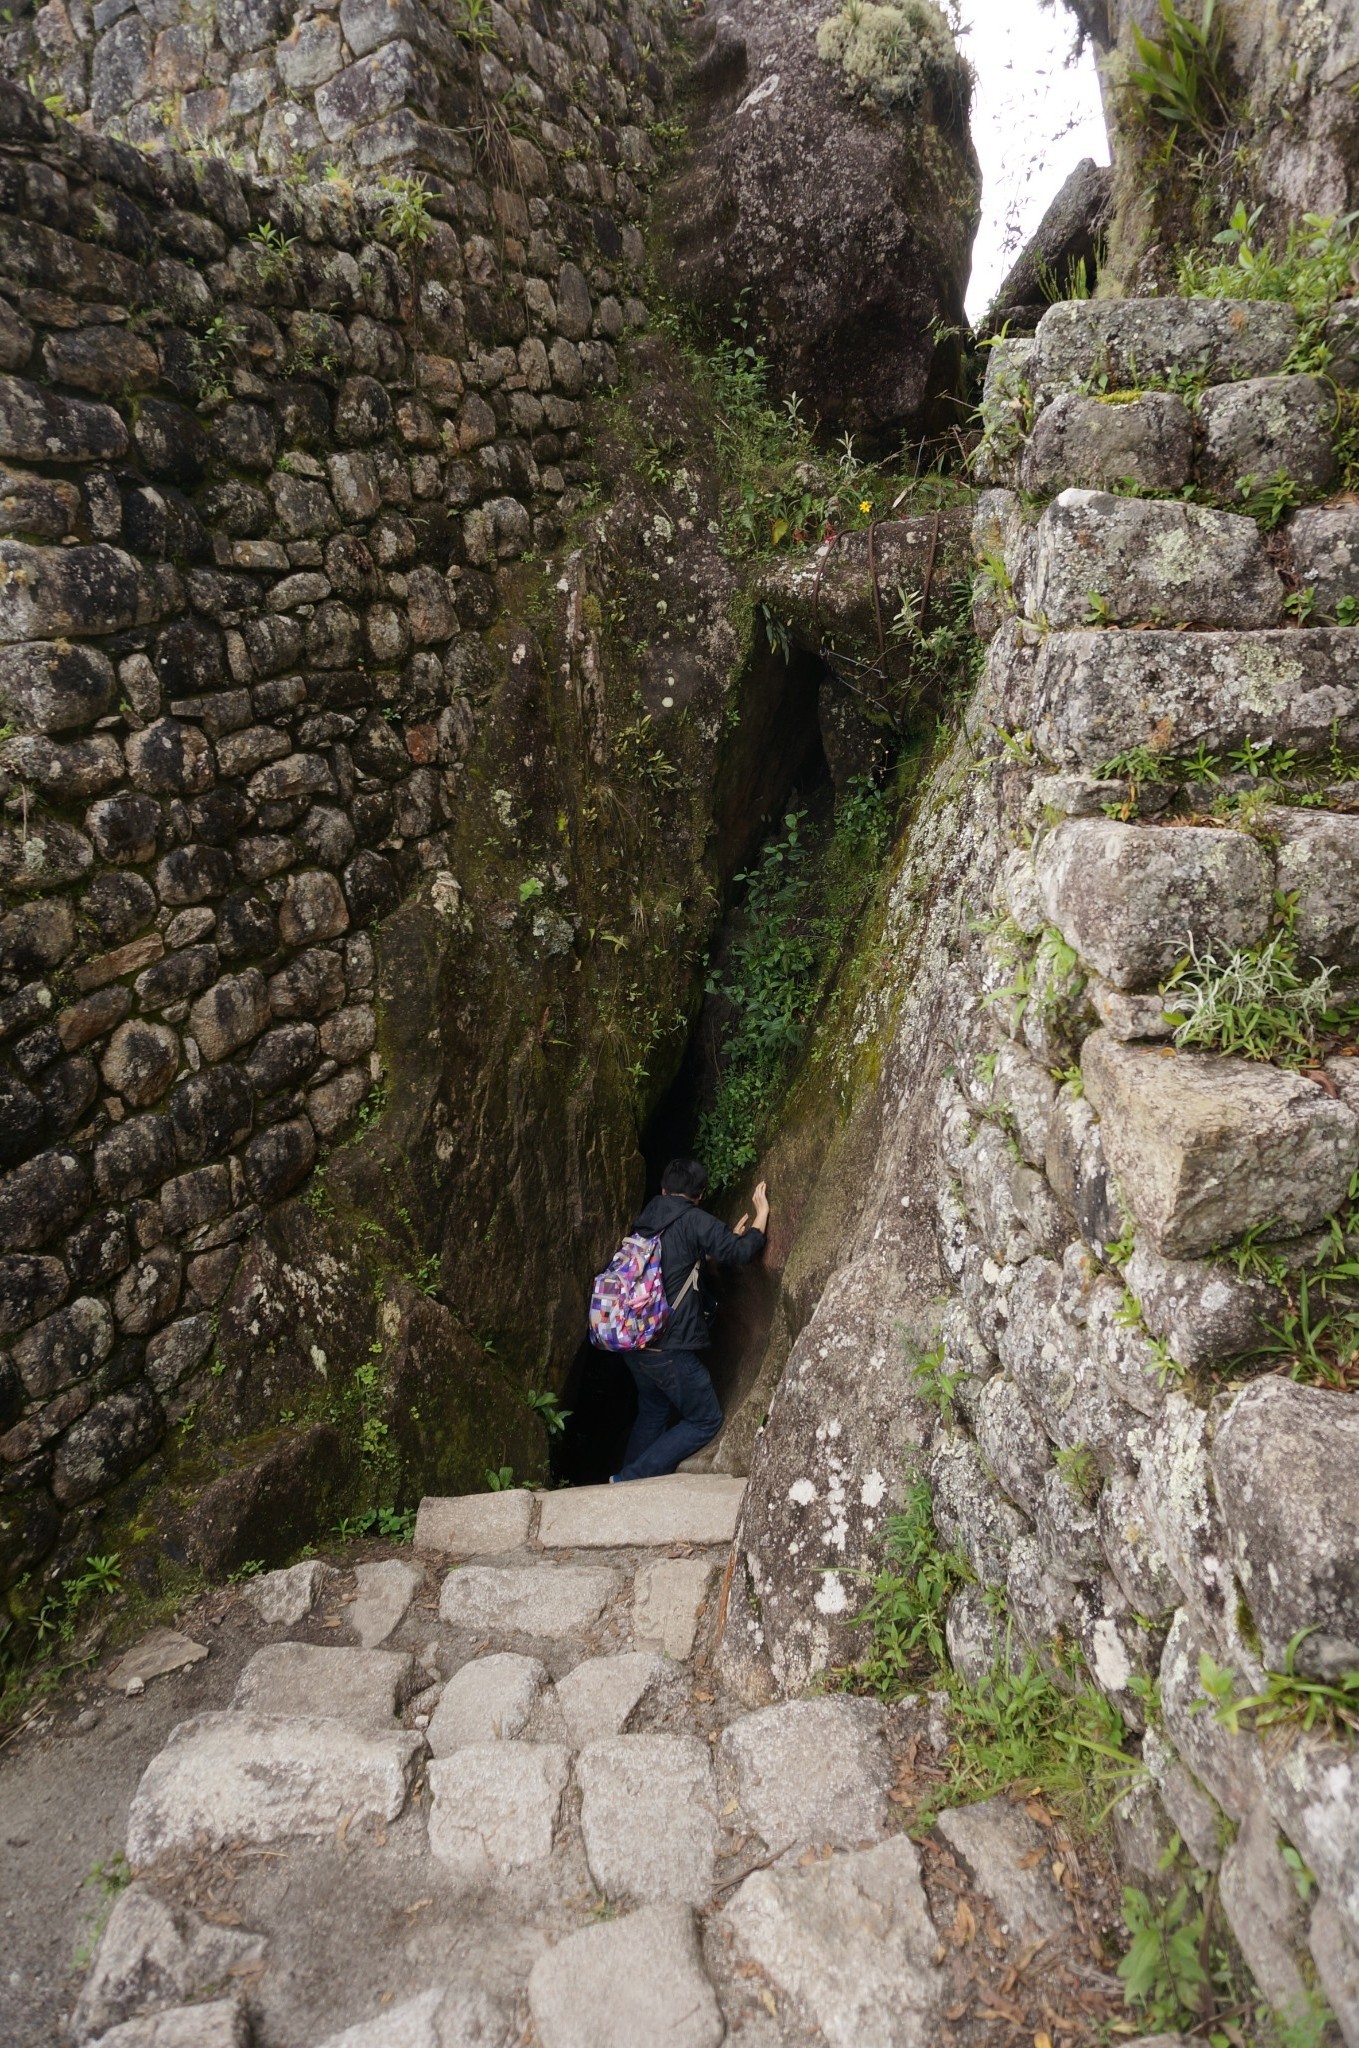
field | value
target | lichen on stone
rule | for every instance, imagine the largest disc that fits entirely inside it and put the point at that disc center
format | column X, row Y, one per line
column 895, row 54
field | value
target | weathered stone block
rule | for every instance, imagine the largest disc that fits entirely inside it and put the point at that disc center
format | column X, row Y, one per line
column 363, row 1688
column 43, row 426
column 106, row 1444
column 29, row 1288
column 1324, row 541
column 1099, row 695
column 1139, row 561
column 1318, row 863
column 175, row 1351
column 649, row 1818
column 148, row 1292
column 47, row 592
column 241, row 1777
column 474, row 1524
column 851, row 1941
column 395, row 75
column 496, row 1806
column 151, row 1956
column 112, row 362
column 313, row 908
column 1005, row 1851
column 66, row 1346
column 687, row 1507
column 278, row 1159
column 1012, row 1442
column 638, row 1978
column 230, row 1014
column 667, row 1598
column 536, row 1600
column 136, row 1155
column 1281, row 1464
column 1264, row 428
column 1133, row 340
column 810, row 1771
column 1131, row 899
column 1205, row 1312
column 169, row 757
column 1205, row 1148
column 211, row 1112
column 1091, row 445
column 489, row 1700
column 140, row 1061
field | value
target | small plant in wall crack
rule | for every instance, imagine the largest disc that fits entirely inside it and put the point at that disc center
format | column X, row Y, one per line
column 405, row 220
column 273, row 253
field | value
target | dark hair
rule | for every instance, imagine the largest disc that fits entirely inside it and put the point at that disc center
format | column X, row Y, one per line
column 685, row 1177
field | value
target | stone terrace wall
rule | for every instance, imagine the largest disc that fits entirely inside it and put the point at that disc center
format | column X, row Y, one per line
column 1118, row 1471
column 1118, row 1465
column 363, row 83
column 260, row 469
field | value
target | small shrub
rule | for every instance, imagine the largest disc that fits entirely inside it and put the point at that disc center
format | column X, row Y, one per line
column 892, row 54
column 1178, row 76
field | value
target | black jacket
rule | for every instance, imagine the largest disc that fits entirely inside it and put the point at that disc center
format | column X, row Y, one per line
column 687, row 1234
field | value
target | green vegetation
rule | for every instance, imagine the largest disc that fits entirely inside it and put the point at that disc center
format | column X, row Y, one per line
column 1178, row 77
column 396, row 1524
column 273, row 252
column 1289, row 1701
column 910, row 1597
column 1260, row 1004
column 549, row 1411
column 1312, row 270
column 783, row 488
column 405, row 220
column 802, row 901
column 108, row 1880
column 1022, row 1725
column 936, row 1383
column 500, row 1479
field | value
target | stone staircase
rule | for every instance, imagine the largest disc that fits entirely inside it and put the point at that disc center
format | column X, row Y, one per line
column 494, row 1796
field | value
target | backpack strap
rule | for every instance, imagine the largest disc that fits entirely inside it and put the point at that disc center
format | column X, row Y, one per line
column 692, row 1281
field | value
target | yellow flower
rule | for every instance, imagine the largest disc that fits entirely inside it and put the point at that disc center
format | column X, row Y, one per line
column 865, row 504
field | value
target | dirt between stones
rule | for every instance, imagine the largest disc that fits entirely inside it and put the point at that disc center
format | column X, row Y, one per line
column 358, row 1923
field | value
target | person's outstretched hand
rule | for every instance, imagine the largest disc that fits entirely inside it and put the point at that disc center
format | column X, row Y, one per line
column 762, row 1207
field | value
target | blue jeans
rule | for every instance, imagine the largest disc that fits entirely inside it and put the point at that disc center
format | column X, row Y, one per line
column 667, row 1380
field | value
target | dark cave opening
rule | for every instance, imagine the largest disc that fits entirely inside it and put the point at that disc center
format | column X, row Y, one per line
column 598, row 1390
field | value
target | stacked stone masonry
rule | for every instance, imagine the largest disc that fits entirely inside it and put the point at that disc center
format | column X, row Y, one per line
column 1119, row 1466
column 260, row 461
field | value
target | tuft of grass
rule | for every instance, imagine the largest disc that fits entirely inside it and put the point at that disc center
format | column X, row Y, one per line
column 1259, row 1004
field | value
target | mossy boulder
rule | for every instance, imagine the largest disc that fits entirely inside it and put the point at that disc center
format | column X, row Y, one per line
column 830, row 199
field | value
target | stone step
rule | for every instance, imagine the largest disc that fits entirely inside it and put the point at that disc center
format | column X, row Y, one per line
column 259, row 1778
column 693, row 1507
column 626, row 1982
column 528, row 1600
column 689, row 1507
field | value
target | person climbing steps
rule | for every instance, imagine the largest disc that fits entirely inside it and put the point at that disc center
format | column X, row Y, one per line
column 670, row 1374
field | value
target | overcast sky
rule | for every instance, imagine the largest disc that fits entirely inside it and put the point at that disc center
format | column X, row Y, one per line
column 1035, row 115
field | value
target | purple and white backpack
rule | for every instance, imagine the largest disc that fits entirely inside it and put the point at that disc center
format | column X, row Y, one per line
column 628, row 1308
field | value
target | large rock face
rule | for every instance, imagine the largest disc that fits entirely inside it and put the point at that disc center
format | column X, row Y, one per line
column 832, row 199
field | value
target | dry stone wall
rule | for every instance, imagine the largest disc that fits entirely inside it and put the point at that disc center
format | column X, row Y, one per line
column 262, row 462
column 1157, row 762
